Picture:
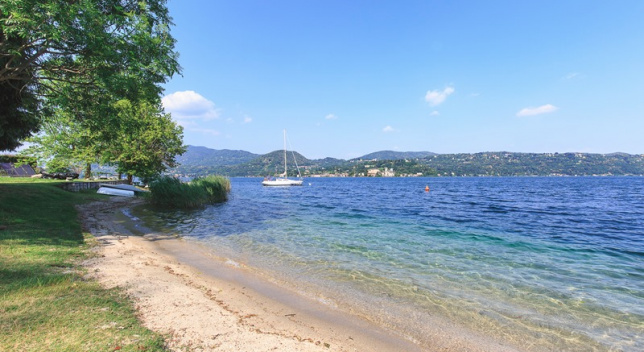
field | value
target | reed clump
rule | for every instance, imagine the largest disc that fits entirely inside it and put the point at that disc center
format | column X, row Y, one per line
column 170, row 192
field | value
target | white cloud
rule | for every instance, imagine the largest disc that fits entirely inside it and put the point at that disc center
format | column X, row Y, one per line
column 572, row 75
column 186, row 123
column 189, row 105
column 434, row 113
column 543, row 109
column 331, row 117
column 388, row 129
column 437, row 97
column 247, row 119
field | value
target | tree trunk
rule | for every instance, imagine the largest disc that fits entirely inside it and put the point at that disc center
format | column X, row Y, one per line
column 129, row 179
column 120, row 175
column 88, row 171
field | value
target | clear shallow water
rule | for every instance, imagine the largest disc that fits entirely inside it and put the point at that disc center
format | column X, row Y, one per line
column 542, row 263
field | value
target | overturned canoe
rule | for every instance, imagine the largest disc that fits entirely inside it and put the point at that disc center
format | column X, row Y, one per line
column 119, row 190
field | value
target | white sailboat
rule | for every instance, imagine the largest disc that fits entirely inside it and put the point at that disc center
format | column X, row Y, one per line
column 283, row 180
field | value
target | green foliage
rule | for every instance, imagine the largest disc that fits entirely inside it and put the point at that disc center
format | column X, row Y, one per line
column 18, row 160
column 58, row 165
column 83, row 55
column 64, row 142
column 46, row 303
column 169, row 192
column 136, row 136
column 148, row 139
column 79, row 40
column 216, row 187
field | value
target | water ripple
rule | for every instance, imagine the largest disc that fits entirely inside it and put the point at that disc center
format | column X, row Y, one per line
column 556, row 261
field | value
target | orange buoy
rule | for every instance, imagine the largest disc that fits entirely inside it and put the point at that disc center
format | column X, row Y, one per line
column 426, row 188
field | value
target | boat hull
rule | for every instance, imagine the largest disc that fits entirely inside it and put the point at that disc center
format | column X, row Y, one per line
column 282, row 182
column 115, row 192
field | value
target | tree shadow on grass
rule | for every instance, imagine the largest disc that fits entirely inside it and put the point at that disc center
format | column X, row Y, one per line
column 39, row 214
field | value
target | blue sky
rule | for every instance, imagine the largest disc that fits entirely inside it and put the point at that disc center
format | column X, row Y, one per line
column 346, row 78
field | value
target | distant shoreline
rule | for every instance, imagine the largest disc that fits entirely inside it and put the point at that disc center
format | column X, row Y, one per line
column 202, row 161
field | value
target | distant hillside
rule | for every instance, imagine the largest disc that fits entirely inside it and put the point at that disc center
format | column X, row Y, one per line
column 329, row 162
column 536, row 164
column 267, row 164
column 273, row 164
column 201, row 161
column 392, row 155
column 203, row 155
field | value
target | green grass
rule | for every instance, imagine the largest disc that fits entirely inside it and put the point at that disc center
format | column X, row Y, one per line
column 169, row 192
column 45, row 304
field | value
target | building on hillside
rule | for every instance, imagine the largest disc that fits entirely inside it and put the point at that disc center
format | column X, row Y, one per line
column 373, row 172
column 376, row 172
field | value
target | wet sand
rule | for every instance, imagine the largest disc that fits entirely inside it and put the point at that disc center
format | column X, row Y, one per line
column 206, row 303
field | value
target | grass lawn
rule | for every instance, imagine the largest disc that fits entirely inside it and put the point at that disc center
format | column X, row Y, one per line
column 45, row 304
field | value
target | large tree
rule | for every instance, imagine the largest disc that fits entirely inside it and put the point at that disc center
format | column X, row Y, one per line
column 111, row 45
column 18, row 114
column 64, row 143
column 140, row 140
column 148, row 140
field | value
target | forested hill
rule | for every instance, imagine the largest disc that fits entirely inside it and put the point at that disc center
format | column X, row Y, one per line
column 392, row 155
column 200, row 161
column 536, row 164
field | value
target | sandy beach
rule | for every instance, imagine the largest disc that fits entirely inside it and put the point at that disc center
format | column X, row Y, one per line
column 204, row 303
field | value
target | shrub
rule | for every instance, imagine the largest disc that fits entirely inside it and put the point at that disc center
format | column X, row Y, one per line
column 169, row 192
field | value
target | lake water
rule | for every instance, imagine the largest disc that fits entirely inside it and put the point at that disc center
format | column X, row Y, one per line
column 541, row 263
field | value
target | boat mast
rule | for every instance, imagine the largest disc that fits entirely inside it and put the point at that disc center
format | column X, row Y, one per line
column 285, row 174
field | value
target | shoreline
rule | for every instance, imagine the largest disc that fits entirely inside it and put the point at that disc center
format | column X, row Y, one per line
column 203, row 302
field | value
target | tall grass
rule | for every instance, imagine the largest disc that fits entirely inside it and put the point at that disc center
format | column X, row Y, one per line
column 169, row 192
